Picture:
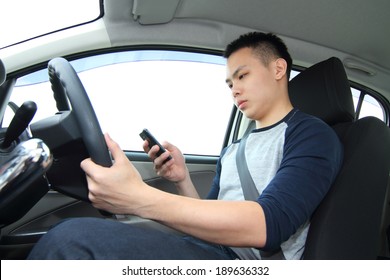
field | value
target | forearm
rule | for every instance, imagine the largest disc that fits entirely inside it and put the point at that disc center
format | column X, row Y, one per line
column 187, row 188
column 231, row 223
column 120, row 189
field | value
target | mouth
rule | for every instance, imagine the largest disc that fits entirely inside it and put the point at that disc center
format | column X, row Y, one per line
column 241, row 104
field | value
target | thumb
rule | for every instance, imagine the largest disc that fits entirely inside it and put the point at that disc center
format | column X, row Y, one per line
column 90, row 167
column 169, row 146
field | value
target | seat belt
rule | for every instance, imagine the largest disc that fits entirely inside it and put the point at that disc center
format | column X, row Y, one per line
column 248, row 186
column 251, row 193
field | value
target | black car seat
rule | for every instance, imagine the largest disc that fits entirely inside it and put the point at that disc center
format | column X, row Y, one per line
column 352, row 220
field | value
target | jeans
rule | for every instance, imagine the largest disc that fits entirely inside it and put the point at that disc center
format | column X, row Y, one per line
column 93, row 238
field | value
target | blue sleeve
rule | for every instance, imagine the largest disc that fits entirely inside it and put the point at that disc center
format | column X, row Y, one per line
column 312, row 157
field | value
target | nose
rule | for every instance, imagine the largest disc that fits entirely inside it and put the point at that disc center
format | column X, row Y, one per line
column 235, row 90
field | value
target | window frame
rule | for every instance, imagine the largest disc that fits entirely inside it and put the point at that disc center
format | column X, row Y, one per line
column 385, row 105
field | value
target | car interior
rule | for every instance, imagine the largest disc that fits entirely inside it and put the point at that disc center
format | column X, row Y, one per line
column 41, row 182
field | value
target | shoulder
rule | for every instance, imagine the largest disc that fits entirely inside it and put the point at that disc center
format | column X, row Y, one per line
column 302, row 125
column 301, row 119
column 309, row 135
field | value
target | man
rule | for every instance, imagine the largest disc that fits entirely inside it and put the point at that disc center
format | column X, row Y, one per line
column 292, row 157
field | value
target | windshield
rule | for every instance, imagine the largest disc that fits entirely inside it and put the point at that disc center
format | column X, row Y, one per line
column 21, row 20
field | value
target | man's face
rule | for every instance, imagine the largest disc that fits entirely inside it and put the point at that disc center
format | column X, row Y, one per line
column 253, row 85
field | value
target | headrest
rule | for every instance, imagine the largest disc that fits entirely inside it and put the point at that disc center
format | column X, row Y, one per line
column 2, row 73
column 323, row 90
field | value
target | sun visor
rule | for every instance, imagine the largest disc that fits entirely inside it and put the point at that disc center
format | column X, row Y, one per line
column 154, row 11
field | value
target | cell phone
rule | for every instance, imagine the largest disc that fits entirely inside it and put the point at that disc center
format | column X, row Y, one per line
column 146, row 135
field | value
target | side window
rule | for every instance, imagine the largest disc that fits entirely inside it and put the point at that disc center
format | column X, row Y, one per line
column 180, row 97
column 366, row 105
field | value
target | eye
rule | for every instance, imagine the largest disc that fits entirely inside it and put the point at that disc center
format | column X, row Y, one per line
column 241, row 76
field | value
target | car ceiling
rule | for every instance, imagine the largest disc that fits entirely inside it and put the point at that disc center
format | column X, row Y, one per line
column 353, row 26
column 355, row 31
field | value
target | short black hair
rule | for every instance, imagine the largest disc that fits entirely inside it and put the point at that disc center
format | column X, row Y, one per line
column 266, row 46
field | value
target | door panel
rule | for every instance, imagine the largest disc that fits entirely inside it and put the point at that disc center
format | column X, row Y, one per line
column 18, row 238
column 201, row 168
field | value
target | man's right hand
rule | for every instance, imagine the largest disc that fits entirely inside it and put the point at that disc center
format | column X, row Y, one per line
column 173, row 170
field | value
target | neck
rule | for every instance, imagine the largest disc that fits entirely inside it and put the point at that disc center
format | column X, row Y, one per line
column 277, row 114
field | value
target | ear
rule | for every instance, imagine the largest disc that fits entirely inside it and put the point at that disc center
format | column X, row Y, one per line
column 280, row 68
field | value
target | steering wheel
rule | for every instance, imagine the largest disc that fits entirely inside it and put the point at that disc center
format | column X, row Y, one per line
column 65, row 80
column 69, row 133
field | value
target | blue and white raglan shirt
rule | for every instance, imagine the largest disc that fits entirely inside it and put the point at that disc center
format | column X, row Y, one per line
column 293, row 164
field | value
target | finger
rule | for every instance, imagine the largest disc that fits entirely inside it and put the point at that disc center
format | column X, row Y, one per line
column 164, row 168
column 162, row 159
column 153, row 152
column 145, row 146
column 90, row 167
column 116, row 151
